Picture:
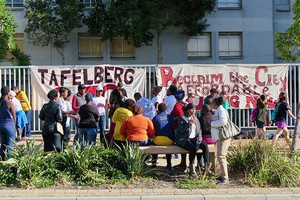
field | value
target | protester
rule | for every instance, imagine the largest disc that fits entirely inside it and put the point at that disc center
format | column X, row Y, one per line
column 220, row 118
column 190, row 98
column 51, row 115
column 7, row 123
column 20, row 115
column 188, row 136
column 283, row 110
column 21, row 95
column 213, row 93
column 77, row 101
column 205, row 122
column 226, row 102
column 149, row 110
column 115, row 101
column 164, row 135
column 157, row 99
column 137, row 129
column 170, row 100
column 261, row 120
column 120, row 115
column 89, row 117
column 101, row 103
column 123, row 94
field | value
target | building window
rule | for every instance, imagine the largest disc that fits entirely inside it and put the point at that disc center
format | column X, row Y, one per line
column 15, row 3
column 282, row 5
column 19, row 39
column 199, row 46
column 119, row 47
column 230, row 44
column 229, row 4
column 90, row 47
column 88, row 3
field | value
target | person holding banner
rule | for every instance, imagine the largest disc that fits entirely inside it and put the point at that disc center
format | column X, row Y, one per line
column 51, row 115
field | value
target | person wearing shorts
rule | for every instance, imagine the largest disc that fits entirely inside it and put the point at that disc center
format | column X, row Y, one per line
column 283, row 110
column 261, row 121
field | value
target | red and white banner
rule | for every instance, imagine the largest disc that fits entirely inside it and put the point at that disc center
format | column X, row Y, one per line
column 244, row 83
column 46, row 78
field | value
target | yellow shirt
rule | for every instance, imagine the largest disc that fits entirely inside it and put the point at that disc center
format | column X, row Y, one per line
column 24, row 100
column 118, row 118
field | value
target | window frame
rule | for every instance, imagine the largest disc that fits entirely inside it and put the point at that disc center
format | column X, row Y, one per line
column 240, row 34
column 12, row 4
column 90, row 3
column 90, row 38
column 230, row 7
column 113, row 55
column 281, row 7
column 199, row 52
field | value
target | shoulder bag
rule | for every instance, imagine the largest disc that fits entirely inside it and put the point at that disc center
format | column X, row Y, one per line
column 228, row 130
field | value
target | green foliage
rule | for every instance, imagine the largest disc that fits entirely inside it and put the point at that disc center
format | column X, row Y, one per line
column 7, row 28
column 264, row 166
column 50, row 22
column 287, row 43
column 134, row 162
column 203, row 182
column 22, row 59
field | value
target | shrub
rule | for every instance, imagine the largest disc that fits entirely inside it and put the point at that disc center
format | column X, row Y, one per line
column 263, row 165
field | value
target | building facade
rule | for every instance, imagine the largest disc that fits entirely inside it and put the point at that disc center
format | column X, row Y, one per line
column 240, row 31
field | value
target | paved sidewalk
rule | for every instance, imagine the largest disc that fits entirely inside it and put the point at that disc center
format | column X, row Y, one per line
column 147, row 194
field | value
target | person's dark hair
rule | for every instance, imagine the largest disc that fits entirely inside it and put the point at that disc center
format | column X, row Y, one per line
column 162, row 107
column 137, row 109
column 172, row 89
column 137, row 96
column 69, row 92
column 213, row 90
column 14, row 88
column 123, row 91
column 52, row 94
column 205, row 109
column 62, row 90
column 188, row 107
column 4, row 91
column 218, row 101
column 282, row 96
column 260, row 101
column 120, row 85
column 128, row 103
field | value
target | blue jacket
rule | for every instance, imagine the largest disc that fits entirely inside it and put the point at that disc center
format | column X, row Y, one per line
column 163, row 124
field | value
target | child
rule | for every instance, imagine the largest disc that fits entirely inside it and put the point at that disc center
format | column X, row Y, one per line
column 261, row 120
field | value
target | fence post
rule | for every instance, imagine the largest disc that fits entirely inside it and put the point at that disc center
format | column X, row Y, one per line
column 296, row 130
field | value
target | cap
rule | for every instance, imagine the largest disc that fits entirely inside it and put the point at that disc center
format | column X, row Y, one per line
column 179, row 94
column 81, row 87
column 88, row 96
column 99, row 87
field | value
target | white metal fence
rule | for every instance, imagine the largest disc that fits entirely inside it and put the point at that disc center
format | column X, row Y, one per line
column 20, row 77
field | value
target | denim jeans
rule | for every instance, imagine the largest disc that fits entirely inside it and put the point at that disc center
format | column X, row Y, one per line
column 27, row 130
column 7, row 136
column 88, row 135
column 77, row 137
column 140, row 143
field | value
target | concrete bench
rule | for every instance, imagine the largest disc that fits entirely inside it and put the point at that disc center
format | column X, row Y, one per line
column 174, row 149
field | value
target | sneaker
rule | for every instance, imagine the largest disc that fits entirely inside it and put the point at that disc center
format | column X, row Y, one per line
column 223, row 181
column 219, row 178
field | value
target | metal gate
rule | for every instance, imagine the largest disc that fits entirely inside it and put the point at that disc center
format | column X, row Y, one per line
column 20, row 76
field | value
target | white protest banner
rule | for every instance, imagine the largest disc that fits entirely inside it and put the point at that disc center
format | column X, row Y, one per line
column 46, row 78
column 244, row 83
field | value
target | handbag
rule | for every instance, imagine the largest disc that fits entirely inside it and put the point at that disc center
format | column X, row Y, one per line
column 59, row 128
column 229, row 130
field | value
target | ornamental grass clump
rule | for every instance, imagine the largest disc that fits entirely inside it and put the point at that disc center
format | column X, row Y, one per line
column 264, row 166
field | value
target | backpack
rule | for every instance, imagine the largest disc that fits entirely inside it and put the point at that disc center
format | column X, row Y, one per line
column 254, row 115
column 275, row 113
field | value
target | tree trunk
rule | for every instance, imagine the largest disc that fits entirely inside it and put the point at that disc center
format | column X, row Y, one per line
column 159, row 48
column 296, row 130
column 61, row 53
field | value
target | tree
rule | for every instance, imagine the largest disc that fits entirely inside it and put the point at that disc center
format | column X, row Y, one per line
column 51, row 22
column 136, row 20
column 7, row 28
column 287, row 43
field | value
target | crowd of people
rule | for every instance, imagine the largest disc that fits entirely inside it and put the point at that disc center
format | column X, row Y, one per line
column 159, row 121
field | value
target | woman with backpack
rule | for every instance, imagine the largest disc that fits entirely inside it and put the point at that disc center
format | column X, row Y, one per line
column 280, row 118
column 261, row 117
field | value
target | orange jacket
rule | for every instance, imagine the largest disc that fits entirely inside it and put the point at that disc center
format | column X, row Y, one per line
column 137, row 128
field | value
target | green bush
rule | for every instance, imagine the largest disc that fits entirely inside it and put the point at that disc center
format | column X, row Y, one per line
column 263, row 165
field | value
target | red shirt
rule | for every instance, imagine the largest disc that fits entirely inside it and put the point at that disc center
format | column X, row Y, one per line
column 177, row 112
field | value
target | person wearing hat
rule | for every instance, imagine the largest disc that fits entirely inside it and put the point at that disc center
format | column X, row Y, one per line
column 51, row 115
column 157, row 96
column 189, row 137
column 20, row 114
column 89, row 117
column 100, row 102
column 7, row 123
column 77, row 101
column 137, row 129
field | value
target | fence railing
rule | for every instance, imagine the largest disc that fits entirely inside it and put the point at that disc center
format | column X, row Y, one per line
column 20, row 76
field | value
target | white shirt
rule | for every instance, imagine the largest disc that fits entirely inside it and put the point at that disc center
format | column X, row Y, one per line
column 193, row 133
column 65, row 106
column 156, row 99
column 99, row 103
column 223, row 117
column 170, row 101
column 17, row 104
